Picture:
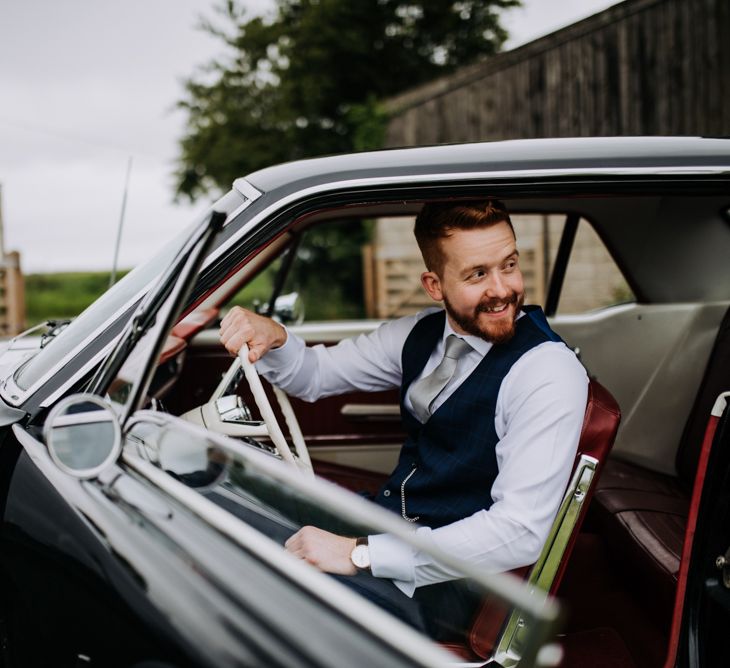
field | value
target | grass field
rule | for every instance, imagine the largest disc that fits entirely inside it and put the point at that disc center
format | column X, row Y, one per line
column 65, row 295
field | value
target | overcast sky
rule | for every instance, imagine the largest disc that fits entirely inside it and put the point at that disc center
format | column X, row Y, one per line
column 87, row 84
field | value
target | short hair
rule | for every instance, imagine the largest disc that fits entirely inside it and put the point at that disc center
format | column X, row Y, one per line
column 437, row 220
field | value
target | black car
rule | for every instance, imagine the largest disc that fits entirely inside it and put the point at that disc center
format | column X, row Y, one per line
column 142, row 470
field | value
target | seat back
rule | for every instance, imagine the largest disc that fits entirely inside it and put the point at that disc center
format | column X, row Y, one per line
column 597, row 435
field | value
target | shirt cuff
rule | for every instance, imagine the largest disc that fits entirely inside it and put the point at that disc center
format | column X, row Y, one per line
column 281, row 357
column 391, row 558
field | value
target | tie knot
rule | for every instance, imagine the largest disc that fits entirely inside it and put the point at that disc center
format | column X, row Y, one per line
column 456, row 347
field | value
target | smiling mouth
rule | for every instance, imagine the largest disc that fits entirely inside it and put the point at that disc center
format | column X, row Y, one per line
column 495, row 309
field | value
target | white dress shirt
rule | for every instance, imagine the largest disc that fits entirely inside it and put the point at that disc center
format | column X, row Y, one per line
column 539, row 415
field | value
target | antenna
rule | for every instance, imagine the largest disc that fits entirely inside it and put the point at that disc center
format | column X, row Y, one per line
column 113, row 277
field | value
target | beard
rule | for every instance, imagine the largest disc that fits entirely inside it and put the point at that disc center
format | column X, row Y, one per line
column 498, row 331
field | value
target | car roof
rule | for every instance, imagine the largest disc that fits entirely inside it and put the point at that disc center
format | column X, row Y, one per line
column 595, row 153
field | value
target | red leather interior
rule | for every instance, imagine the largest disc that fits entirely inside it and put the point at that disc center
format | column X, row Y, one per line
column 643, row 514
column 193, row 322
column 597, row 435
column 173, row 346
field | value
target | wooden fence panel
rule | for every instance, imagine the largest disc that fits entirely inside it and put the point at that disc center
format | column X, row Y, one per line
column 642, row 67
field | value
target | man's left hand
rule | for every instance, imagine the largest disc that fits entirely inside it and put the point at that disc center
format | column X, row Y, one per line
column 324, row 550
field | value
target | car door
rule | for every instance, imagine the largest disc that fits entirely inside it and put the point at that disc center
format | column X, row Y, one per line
column 703, row 608
column 132, row 565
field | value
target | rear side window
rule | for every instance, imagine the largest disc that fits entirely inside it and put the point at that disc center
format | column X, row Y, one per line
column 592, row 279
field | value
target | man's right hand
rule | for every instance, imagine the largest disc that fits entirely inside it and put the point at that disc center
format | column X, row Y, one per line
column 261, row 334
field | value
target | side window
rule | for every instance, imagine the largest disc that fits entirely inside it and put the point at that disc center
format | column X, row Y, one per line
column 322, row 281
column 538, row 237
column 592, row 279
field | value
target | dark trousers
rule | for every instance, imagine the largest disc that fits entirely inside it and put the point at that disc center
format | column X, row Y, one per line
column 442, row 611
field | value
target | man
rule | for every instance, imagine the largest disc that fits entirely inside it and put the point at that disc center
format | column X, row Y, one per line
column 491, row 400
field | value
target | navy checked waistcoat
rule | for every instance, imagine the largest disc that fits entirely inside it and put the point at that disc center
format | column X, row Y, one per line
column 447, row 466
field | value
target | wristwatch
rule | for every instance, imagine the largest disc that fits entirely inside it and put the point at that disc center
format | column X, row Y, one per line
column 360, row 555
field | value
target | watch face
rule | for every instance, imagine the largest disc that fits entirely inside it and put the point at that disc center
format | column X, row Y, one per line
column 360, row 556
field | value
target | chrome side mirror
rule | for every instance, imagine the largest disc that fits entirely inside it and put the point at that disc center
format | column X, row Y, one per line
column 83, row 435
column 288, row 309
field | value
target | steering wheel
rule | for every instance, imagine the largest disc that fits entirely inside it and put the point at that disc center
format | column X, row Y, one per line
column 210, row 417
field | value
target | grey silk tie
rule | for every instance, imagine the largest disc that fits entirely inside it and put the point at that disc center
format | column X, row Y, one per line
column 425, row 390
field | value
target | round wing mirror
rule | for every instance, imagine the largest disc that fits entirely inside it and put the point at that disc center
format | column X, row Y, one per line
column 83, row 435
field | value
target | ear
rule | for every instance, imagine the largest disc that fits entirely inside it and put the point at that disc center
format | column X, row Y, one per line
column 432, row 284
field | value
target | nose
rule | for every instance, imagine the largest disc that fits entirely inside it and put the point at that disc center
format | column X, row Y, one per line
column 496, row 286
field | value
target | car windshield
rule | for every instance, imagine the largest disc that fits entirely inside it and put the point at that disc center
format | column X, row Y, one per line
column 111, row 305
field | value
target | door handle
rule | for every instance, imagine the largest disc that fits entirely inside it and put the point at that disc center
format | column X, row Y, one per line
column 371, row 412
column 723, row 564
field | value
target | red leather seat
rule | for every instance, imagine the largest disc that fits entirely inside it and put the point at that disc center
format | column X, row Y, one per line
column 597, row 435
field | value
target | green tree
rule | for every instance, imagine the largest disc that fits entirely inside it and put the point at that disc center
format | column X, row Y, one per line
column 307, row 80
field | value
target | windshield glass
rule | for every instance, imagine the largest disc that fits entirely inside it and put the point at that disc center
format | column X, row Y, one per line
column 112, row 304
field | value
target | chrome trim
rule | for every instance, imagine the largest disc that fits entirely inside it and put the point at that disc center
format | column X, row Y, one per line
column 82, row 418
column 21, row 395
column 52, row 398
column 718, row 408
column 249, row 194
column 371, row 412
column 509, row 648
column 55, row 420
column 403, row 638
column 247, row 190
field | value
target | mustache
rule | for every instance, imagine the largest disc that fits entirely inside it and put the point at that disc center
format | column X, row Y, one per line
column 487, row 304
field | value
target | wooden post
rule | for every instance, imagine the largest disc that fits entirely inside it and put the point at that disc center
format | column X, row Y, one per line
column 12, row 292
column 368, row 278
